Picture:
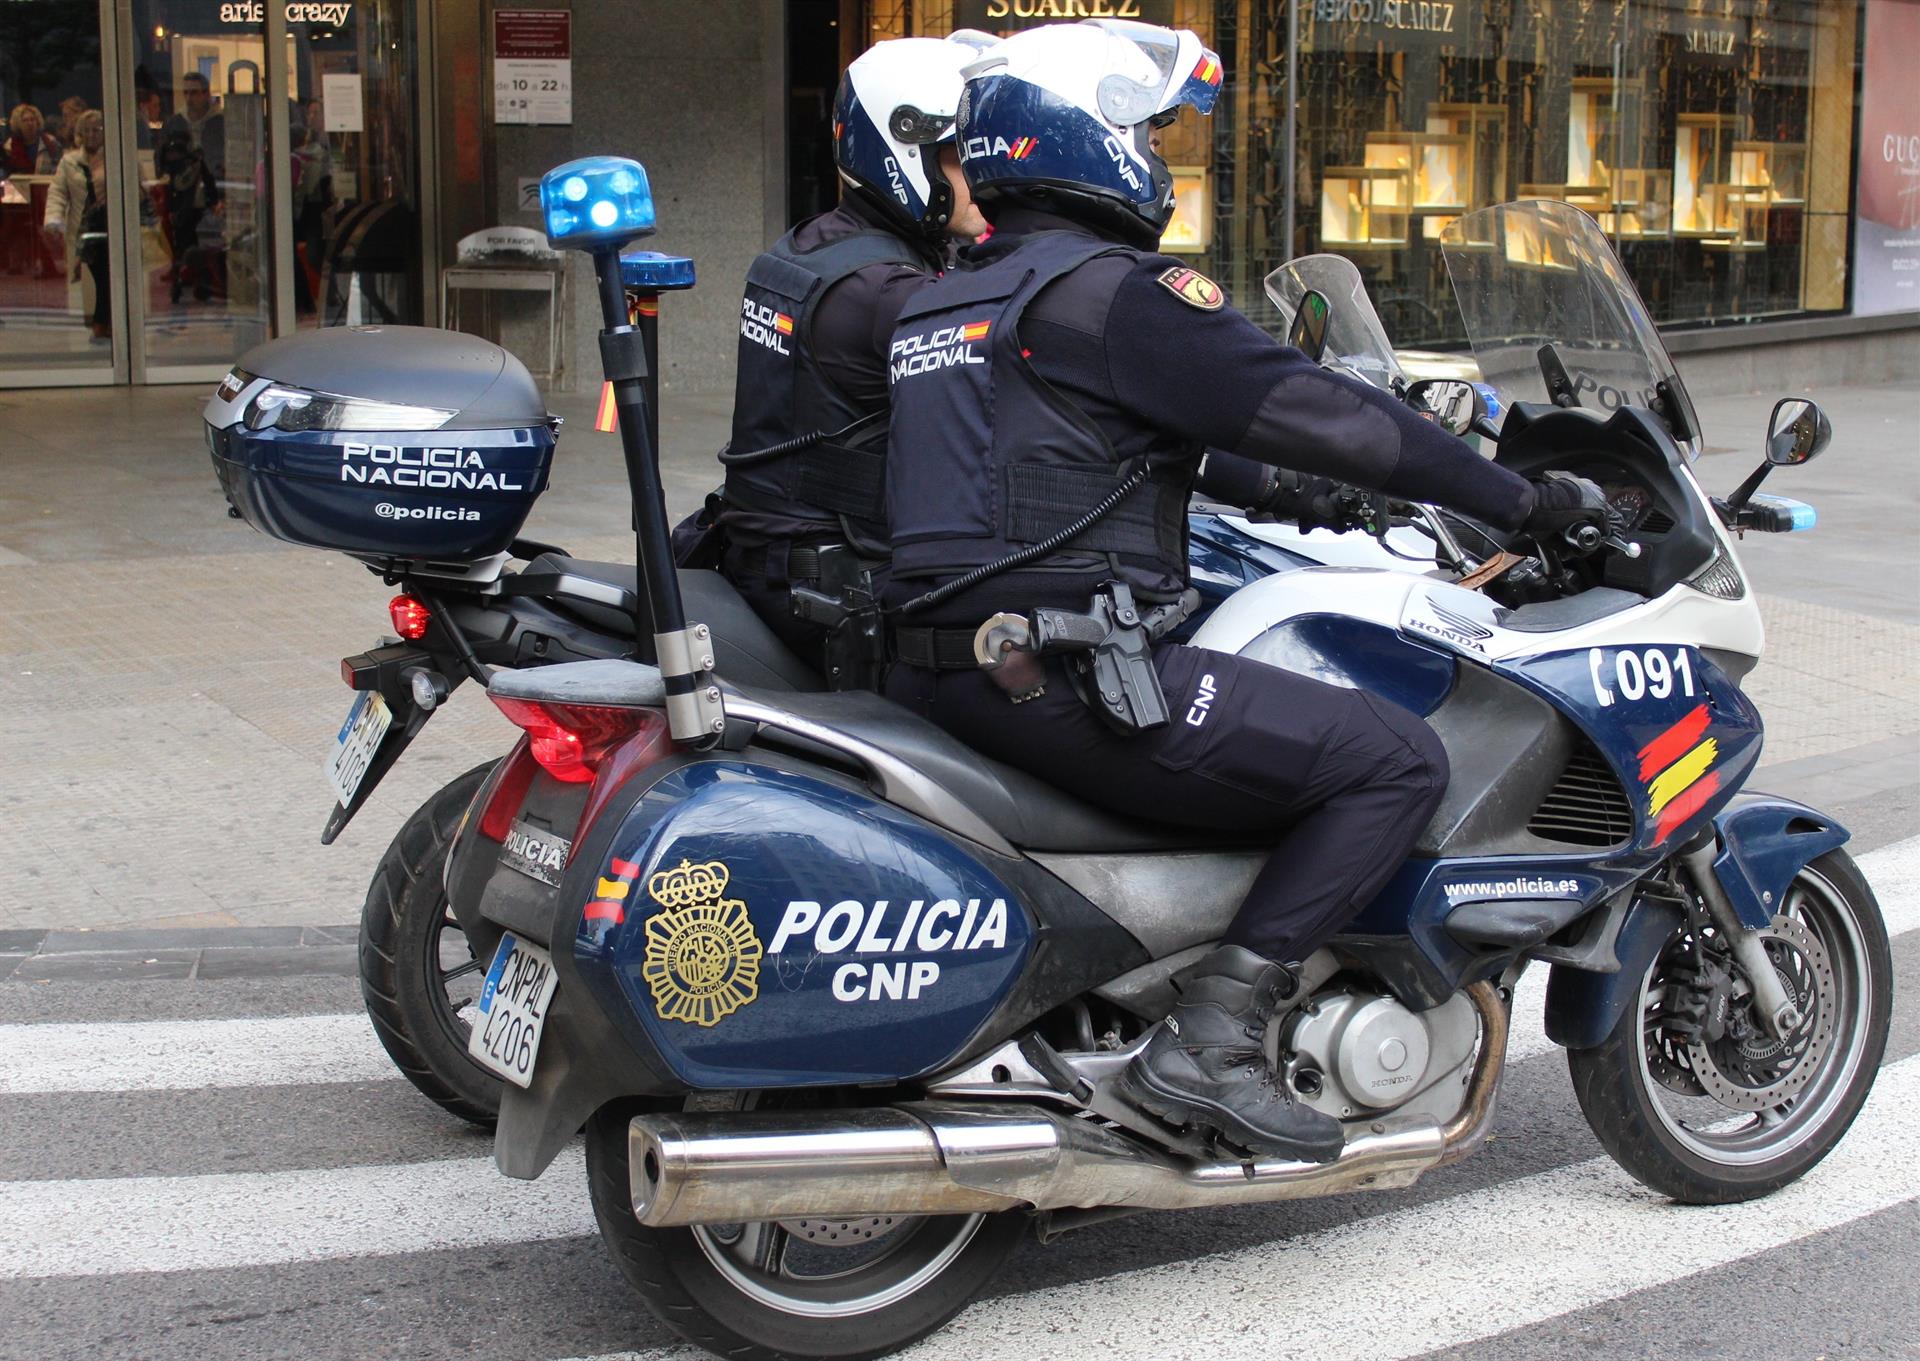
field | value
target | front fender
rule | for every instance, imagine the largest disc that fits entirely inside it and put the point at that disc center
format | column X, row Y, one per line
column 1583, row 1006
column 1764, row 842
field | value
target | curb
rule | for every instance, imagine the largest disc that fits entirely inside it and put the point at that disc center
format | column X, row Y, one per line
column 180, row 955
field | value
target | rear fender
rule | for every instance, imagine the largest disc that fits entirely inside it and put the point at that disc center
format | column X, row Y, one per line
column 1764, row 842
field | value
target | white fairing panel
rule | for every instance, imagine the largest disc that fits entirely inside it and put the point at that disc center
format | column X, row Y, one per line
column 1467, row 622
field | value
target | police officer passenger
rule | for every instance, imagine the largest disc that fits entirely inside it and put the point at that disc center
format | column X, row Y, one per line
column 1067, row 367
column 806, row 463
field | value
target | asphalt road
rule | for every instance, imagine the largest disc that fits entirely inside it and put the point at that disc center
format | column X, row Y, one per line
column 228, row 1169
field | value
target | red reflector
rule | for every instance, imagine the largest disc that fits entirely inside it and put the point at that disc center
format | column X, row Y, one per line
column 508, row 793
column 346, row 672
column 410, row 617
column 570, row 740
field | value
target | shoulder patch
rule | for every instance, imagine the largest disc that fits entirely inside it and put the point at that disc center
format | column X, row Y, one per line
column 1193, row 288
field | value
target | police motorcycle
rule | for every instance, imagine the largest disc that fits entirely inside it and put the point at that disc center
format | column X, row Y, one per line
column 841, row 1003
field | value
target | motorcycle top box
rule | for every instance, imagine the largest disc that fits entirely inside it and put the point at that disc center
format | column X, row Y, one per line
column 390, row 442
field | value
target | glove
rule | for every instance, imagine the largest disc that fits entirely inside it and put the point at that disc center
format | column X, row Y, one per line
column 1562, row 500
column 1310, row 502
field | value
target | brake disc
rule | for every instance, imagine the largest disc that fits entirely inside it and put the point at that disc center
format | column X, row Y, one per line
column 1753, row 1070
column 841, row 1232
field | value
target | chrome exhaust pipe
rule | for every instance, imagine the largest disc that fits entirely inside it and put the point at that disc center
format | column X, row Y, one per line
column 934, row 1157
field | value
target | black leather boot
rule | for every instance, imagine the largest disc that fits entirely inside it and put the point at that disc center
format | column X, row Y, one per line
column 1205, row 1065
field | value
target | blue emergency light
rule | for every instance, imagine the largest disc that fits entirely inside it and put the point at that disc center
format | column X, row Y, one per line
column 648, row 271
column 1801, row 516
column 596, row 201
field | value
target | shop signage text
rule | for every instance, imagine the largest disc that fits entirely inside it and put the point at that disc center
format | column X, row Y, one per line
column 332, row 12
column 1415, row 16
column 1005, row 14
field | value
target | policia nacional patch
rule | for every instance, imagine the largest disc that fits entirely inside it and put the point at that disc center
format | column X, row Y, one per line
column 1193, row 288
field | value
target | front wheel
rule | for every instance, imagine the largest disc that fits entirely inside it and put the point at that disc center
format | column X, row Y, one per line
column 1697, row 1099
column 817, row 1288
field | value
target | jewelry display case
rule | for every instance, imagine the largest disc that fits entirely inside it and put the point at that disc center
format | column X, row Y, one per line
column 1702, row 173
column 1363, row 206
column 1590, row 129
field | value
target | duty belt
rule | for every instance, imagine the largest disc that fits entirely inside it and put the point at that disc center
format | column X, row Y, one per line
column 935, row 649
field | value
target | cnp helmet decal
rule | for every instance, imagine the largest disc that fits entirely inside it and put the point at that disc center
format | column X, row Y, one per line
column 702, row 959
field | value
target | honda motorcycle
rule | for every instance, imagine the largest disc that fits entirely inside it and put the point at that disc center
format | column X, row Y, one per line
column 841, row 1003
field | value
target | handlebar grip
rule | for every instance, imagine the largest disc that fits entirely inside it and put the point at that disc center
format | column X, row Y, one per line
column 1584, row 538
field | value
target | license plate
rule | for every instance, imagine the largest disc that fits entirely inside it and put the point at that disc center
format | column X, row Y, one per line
column 367, row 722
column 513, row 1009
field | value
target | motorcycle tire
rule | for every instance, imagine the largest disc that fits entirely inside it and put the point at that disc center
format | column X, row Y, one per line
column 684, row 1276
column 401, row 973
column 1631, row 1108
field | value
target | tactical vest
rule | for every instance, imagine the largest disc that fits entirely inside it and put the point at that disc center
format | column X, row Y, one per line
column 987, row 457
column 783, row 394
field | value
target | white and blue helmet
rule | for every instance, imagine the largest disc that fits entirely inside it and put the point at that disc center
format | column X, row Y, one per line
column 897, row 103
column 1060, row 118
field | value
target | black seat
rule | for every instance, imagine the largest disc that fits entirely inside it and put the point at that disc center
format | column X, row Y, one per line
column 1026, row 811
column 745, row 650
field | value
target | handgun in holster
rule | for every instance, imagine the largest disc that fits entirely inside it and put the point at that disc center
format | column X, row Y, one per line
column 1108, row 647
column 843, row 603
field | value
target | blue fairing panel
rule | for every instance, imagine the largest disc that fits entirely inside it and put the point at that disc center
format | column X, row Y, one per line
column 1583, row 1006
column 763, row 929
column 1764, row 842
column 1675, row 728
column 1356, row 655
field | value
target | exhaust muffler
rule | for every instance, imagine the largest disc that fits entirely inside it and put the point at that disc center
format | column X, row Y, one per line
column 945, row 1157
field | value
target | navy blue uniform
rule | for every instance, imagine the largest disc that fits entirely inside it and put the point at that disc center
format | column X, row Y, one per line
column 817, row 315
column 1098, row 361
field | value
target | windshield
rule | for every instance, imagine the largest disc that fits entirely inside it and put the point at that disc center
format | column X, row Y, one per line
column 1540, row 272
column 1355, row 337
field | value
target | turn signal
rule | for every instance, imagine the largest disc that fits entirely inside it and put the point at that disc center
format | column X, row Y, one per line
column 410, row 617
column 571, row 740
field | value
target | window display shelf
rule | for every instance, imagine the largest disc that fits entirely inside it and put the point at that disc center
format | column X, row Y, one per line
column 1781, row 167
column 1485, row 128
column 1590, row 131
column 1364, row 207
column 1435, row 166
column 1702, row 167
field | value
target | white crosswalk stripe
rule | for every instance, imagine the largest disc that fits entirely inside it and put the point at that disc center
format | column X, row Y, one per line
column 127, row 1224
column 138, row 1056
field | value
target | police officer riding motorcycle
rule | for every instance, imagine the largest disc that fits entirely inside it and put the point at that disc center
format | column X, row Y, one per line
column 1051, row 401
column 802, row 510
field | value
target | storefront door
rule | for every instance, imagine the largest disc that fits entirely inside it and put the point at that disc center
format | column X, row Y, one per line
column 180, row 213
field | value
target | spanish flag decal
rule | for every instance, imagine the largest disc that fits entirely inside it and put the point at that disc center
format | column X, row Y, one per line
column 1676, row 769
column 783, row 323
column 604, row 419
column 611, row 893
column 1023, row 148
column 975, row 330
column 1208, row 71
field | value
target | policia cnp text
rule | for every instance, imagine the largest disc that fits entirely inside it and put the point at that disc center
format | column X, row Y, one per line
column 1077, row 372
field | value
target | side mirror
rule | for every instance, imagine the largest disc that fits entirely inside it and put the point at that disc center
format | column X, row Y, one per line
column 1455, row 403
column 1308, row 330
column 1797, row 430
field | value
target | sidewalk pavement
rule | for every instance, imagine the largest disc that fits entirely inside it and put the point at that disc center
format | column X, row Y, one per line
column 169, row 678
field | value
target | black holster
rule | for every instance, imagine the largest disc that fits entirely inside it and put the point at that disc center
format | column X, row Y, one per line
column 1109, row 651
column 843, row 603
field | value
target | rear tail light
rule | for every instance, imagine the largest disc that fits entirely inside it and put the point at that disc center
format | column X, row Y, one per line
column 569, row 741
column 410, row 617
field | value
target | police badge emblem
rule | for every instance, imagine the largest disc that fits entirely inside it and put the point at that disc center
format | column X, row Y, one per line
column 702, row 960
column 1193, row 288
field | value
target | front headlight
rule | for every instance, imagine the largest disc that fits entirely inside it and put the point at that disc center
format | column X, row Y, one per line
column 286, row 408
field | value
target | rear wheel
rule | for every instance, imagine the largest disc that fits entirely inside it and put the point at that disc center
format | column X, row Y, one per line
column 839, row 1288
column 418, row 974
column 1697, row 1099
